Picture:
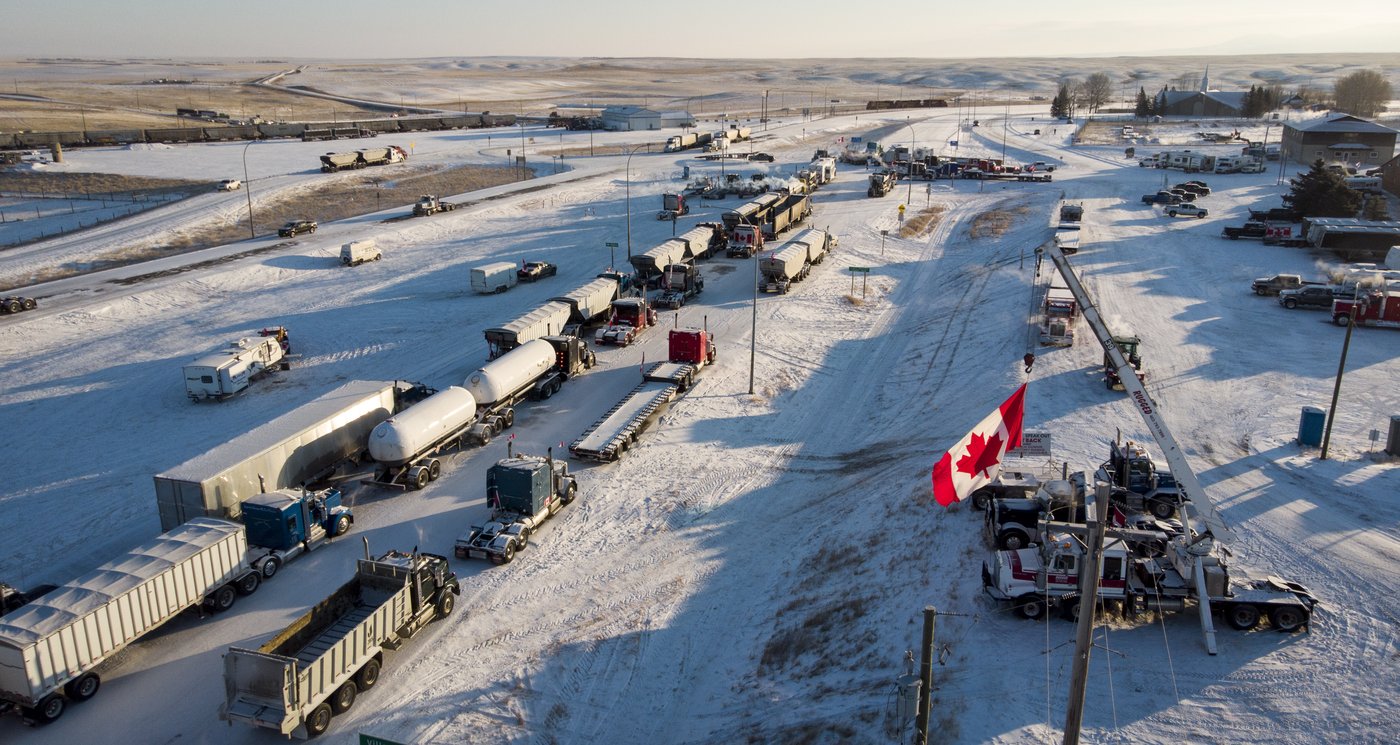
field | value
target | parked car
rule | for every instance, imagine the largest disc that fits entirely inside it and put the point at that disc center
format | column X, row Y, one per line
column 1250, row 229
column 533, row 270
column 1309, row 296
column 1187, row 209
column 765, row 157
column 1184, row 195
column 1161, row 197
column 1196, row 188
column 296, row 227
column 230, row 184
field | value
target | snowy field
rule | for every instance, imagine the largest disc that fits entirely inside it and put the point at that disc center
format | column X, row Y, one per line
column 755, row 569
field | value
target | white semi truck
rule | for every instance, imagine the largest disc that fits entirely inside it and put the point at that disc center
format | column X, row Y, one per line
column 52, row 649
column 316, row 668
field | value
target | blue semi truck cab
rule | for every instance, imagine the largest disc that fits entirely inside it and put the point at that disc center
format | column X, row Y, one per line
column 285, row 523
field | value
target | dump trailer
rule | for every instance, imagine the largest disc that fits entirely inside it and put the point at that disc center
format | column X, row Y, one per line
column 53, row 648
column 881, row 183
column 536, row 369
column 547, row 319
column 303, row 446
column 523, row 491
column 630, row 317
column 222, row 374
column 317, row 666
column 382, row 156
column 691, row 350
column 701, row 240
column 591, row 302
column 793, row 209
column 284, row 524
column 649, row 265
column 819, row 243
column 782, row 267
column 332, row 162
column 752, row 212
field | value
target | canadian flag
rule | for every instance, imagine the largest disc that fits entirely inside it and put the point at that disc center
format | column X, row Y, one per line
column 976, row 459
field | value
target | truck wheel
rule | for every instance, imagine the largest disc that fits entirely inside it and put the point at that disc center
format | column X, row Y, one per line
column 1242, row 616
column 84, row 688
column 1069, row 608
column 49, row 709
column 508, row 554
column 1341, row 319
column 270, row 567
column 434, row 469
column 508, row 419
column 1161, row 508
column 1172, row 213
column 570, row 493
column 1290, row 303
column 222, row 599
column 1011, row 540
column 319, row 721
column 446, row 604
column 248, row 583
column 1259, row 291
column 30, row 303
column 342, row 526
column 344, row 698
column 368, row 675
column 417, row 477
column 1286, row 618
column 1030, row 606
column 981, row 499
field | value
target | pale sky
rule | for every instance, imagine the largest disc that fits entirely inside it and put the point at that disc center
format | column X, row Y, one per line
column 365, row 29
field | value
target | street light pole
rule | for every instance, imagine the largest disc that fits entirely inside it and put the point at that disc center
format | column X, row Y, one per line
column 628, row 182
column 753, row 333
column 909, row 198
column 248, row 190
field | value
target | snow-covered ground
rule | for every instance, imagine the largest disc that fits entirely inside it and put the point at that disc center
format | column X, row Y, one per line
column 755, row 569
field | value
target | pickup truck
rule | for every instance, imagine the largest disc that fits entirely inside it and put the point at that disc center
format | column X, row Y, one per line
column 1187, row 209
column 1195, row 187
column 1277, row 213
column 1161, row 197
column 296, row 227
column 1311, row 296
column 230, row 184
column 1278, row 283
column 533, row 270
column 1250, row 229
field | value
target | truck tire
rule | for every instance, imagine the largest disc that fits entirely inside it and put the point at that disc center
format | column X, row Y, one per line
column 417, row 477
column 434, row 469
column 1172, row 213
column 248, row 583
column 445, row 604
column 1287, row 618
column 319, row 720
column 1242, row 616
column 50, row 708
column 1030, row 607
column 981, row 499
column 344, row 698
column 1161, row 509
column 368, row 675
column 507, row 554
column 1069, row 608
column 570, row 493
column 1290, row 303
column 222, row 599
column 508, row 418
column 269, row 568
column 83, row 688
column 1341, row 319
column 1011, row 540
column 341, row 526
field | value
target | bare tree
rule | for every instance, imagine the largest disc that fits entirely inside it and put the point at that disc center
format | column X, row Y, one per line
column 1362, row 93
column 1098, row 90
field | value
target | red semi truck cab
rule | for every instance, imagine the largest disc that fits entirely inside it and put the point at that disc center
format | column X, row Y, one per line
column 1374, row 308
column 693, row 346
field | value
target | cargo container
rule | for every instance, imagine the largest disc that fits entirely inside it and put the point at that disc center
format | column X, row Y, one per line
column 52, row 648
column 300, row 447
column 497, row 277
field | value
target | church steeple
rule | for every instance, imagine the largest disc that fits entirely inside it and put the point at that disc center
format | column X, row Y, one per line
column 1205, row 80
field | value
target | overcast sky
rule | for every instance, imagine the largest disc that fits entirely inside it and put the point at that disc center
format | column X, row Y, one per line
column 360, row 29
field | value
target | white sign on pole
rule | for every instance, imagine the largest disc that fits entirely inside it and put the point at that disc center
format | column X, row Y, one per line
column 1033, row 445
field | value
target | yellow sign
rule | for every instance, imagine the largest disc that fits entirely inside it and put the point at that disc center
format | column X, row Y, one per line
column 901, row 209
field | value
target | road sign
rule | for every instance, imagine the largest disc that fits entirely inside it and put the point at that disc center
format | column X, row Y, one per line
column 372, row 740
column 611, row 244
column 862, row 269
column 1033, row 444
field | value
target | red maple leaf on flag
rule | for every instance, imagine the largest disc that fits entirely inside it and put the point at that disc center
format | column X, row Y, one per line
column 983, row 453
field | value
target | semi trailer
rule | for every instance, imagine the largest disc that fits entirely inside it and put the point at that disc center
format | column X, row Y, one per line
column 545, row 320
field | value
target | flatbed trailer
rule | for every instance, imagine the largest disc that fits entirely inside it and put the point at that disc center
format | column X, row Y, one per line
column 618, row 429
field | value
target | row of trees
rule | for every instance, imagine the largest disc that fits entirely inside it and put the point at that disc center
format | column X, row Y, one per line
column 1363, row 93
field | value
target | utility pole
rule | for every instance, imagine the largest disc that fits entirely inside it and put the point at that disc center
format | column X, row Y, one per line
column 1341, row 366
column 1088, row 595
column 925, row 678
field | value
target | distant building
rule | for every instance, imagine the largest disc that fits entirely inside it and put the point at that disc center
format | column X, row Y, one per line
column 1202, row 102
column 1339, row 138
column 1390, row 176
column 630, row 118
column 671, row 119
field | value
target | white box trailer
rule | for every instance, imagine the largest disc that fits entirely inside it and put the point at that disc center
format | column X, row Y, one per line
column 546, row 320
column 497, row 277
column 224, row 373
column 355, row 253
column 296, row 448
column 51, row 648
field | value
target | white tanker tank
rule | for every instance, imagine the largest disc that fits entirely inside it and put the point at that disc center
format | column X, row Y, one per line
column 422, row 427
column 505, row 377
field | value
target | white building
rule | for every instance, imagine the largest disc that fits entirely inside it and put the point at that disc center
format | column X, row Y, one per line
column 630, row 118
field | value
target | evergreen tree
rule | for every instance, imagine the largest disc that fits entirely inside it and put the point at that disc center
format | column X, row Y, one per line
column 1143, row 108
column 1063, row 103
column 1322, row 193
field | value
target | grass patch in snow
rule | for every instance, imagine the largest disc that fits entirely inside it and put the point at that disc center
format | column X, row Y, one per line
column 926, row 219
column 994, row 223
